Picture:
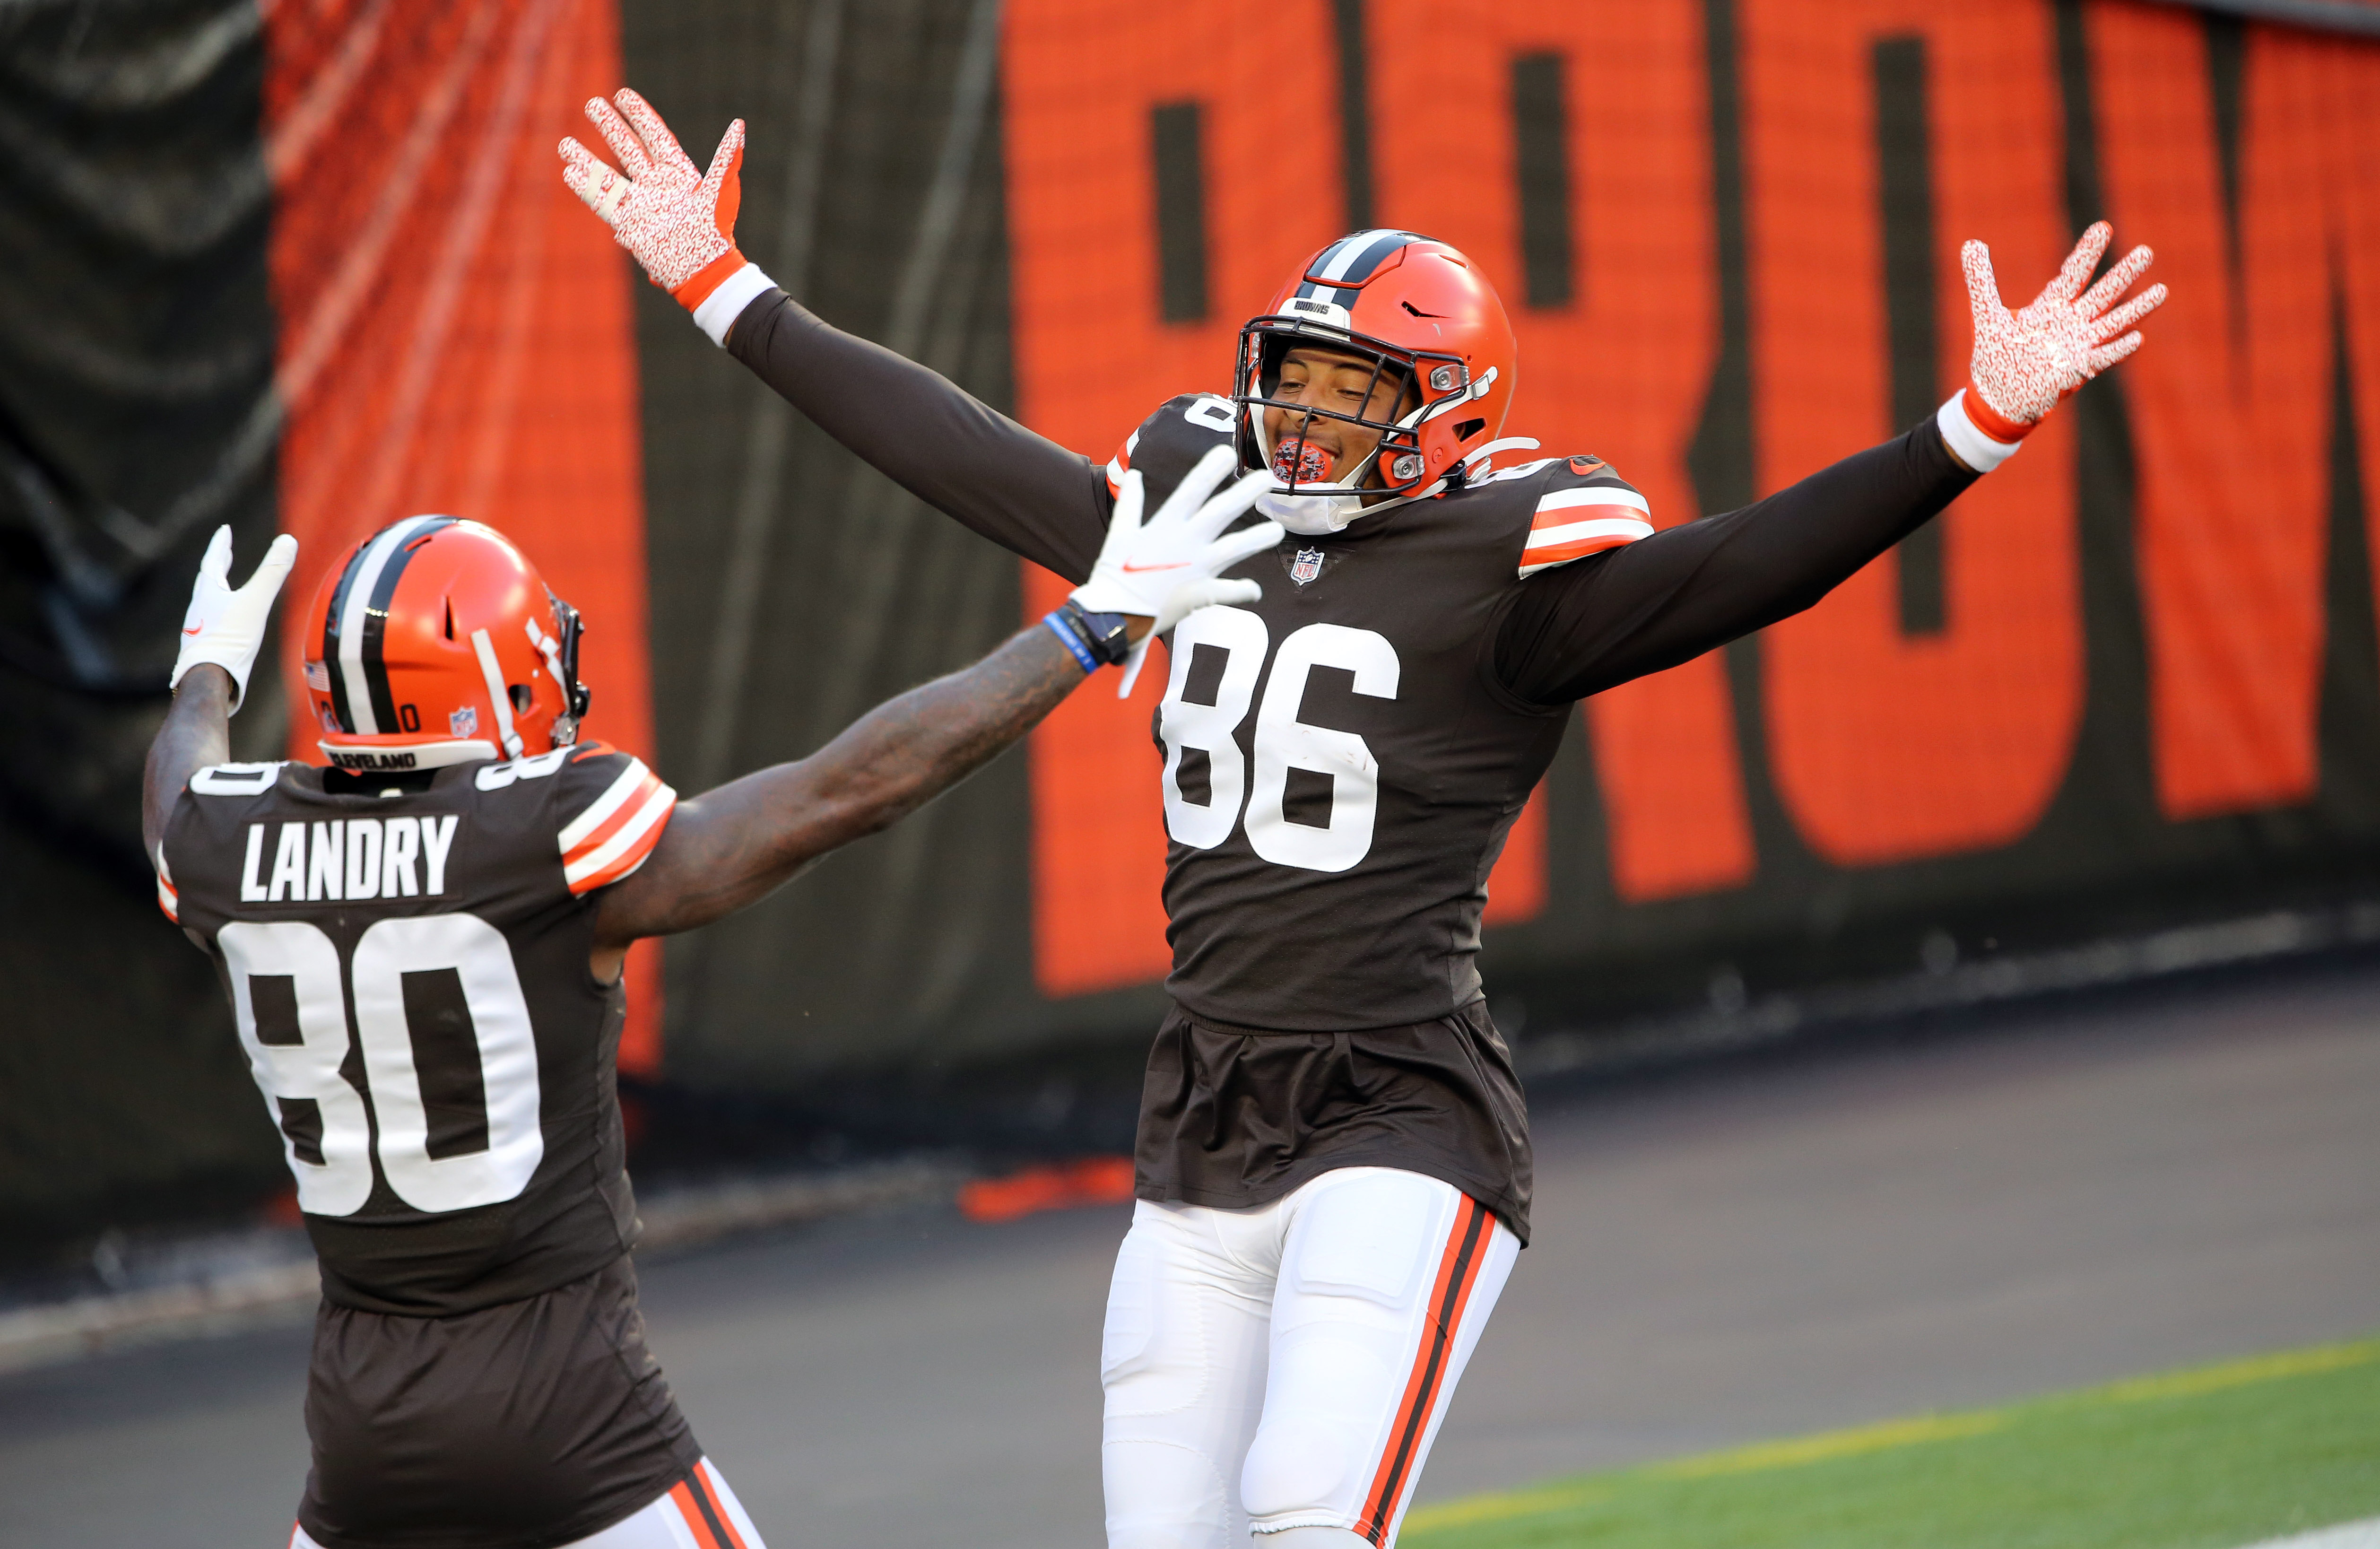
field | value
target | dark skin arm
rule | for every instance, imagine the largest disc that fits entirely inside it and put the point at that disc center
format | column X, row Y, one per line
column 197, row 733
column 735, row 846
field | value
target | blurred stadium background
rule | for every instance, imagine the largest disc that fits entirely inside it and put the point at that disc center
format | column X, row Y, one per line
column 307, row 265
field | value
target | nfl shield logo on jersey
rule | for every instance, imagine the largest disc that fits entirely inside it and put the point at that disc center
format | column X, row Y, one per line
column 464, row 722
column 1307, row 566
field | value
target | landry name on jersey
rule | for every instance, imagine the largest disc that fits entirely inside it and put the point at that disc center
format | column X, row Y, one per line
column 409, row 976
column 1340, row 764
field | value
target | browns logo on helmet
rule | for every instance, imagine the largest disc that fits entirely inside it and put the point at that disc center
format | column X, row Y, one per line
column 436, row 641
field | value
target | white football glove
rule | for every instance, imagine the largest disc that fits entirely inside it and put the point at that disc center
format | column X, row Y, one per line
column 226, row 626
column 1173, row 564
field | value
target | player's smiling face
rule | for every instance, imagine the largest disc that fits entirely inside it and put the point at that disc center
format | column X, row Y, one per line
column 1327, row 379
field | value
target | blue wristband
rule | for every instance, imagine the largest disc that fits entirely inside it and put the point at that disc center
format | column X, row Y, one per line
column 1055, row 618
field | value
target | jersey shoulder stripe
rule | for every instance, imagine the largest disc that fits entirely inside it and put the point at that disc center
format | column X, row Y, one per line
column 167, row 900
column 616, row 833
column 1582, row 508
column 1121, row 464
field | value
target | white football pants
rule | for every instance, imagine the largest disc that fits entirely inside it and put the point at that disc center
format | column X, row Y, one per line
column 700, row 1513
column 1283, row 1369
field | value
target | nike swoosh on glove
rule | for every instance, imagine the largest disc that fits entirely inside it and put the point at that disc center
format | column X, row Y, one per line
column 679, row 224
column 224, row 626
column 1171, row 565
column 2024, row 362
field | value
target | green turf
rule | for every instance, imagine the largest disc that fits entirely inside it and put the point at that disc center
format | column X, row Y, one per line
column 2208, row 1459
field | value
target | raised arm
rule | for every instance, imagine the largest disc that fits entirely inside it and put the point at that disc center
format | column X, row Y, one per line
column 1662, row 599
column 197, row 733
column 1630, row 611
column 1024, row 492
column 735, row 844
column 222, row 633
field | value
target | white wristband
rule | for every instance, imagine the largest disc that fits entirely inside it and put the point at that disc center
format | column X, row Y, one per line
column 1972, row 447
column 723, row 306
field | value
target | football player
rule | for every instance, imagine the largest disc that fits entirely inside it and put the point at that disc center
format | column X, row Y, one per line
column 423, row 944
column 1333, row 1159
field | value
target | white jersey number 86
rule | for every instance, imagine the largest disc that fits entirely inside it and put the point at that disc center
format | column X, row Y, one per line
column 1282, row 741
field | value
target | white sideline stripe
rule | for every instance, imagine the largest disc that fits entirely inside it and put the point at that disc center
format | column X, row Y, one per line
column 1600, row 495
column 619, row 844
column 2365, row 1534
column 604, row 805
column 1628, row 528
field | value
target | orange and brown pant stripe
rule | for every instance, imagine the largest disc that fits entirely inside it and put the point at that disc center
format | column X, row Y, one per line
column 698, row 1505
column 1458, row 1272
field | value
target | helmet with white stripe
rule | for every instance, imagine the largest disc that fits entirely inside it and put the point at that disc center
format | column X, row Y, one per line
column 1420, row 313
column 435, row 642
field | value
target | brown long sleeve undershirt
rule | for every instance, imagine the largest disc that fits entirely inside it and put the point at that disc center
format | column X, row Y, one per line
column 1568, row 633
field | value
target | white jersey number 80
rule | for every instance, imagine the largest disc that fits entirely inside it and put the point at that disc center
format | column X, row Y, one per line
column 1282, row 741
column 308, row 1070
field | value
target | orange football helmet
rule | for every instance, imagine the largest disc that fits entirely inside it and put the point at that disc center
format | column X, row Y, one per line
column 435, row 642
column 1420, row 312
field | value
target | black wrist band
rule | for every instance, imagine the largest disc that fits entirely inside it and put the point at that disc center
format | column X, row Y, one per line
column 1103, row 635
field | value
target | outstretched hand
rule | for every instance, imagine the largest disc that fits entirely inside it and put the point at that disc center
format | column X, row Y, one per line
column 1173, row 564
column 2025, row 361
column 225, row 624
column 679, row 223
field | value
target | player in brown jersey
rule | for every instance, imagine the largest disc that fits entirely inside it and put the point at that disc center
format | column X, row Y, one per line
column 1333, row 1157
column 423, row 945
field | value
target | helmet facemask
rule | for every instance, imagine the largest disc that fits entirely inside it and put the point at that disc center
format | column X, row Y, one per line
column 1396, row 458
column 1418, row 312
column 561, row 653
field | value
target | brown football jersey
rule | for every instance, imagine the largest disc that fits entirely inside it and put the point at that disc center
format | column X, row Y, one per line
column 1342, row 764
column 409, row 976
column 1344, row 757
column 408, row 972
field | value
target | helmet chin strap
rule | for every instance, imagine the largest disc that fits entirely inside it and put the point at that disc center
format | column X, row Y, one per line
column 1318, row 516
column 1311, row 516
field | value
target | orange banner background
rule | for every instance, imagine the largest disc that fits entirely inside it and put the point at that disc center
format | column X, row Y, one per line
column 2232, row 408
column 455, row 332
column 1885, row 743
